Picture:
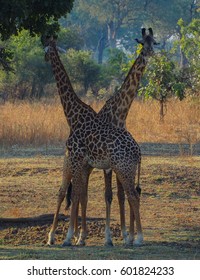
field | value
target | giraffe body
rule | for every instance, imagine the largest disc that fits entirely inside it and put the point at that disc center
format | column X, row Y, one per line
column 77, row 114
column 107, row 146
column 103, row 146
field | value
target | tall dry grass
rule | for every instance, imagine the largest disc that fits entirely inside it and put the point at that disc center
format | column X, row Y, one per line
column 181, row 122
column 32, row 124
column 44, row 123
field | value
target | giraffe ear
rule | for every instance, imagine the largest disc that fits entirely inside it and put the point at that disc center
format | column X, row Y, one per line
column 143, row 32
column 139, row 41
column 151, row 32
column 61, row 50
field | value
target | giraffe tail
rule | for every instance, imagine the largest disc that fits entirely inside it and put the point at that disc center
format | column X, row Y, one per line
column 138, row 188
column 68, row 196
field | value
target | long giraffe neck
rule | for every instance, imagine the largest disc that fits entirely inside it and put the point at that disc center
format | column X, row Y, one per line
column 76, row 111
column 117, row 107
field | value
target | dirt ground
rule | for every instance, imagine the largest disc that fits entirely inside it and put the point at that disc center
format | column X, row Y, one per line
column 170, row 207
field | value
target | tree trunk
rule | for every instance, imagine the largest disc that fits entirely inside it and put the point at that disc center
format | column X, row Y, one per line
column 183, row 60
column 101, row 46
column 33, row 89
column 162, row 114
column 111, row 34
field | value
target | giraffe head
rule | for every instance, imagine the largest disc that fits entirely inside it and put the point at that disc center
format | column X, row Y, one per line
column 50, row 46
column 147, row 41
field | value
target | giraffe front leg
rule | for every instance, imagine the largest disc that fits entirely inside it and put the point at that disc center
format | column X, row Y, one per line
column 108, row 200
column 70, row 232
column 83, row 233
column 61, row 195
column 51, row 236
column 76, row 229
column 86, row 170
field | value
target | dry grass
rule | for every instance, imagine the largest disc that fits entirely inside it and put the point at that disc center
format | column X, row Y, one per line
column 181, row 123
column 32, row 124
column 44, row 123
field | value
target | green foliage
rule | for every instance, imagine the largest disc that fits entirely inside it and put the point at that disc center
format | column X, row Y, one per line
column 38, row 17
column 109, row 16
column 30, row 72
column 91, row 26
column 5, row 59
column 130, row 59
column 82, row 68
column 162, row 79
column 190, row 45
column 117, row 59
column 32, row 15
column 70, row 38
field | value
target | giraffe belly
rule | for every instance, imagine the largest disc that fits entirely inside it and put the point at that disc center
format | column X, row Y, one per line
column 99, row 163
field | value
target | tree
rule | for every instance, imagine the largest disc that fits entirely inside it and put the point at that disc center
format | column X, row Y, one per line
column 190, row 46
column 32, row 15
column 83, row 70
column 30, row 74
column 115, row 23
column 162, row 81
column 38, row 17
column 5, row 59
column 70, row 38
column 109, row 17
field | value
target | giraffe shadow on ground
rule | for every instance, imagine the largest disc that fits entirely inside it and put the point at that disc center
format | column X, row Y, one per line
column 38, row 220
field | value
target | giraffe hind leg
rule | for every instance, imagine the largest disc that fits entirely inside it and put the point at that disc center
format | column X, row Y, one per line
column 121, row 200
column 68, row 196
column 127, row 179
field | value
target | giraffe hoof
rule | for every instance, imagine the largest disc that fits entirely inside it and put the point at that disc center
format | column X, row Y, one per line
column 128, row 244
column 81, row 243
column 139, row 240
column 108, row 244
column 137, row 244
column 66, row 244
column 51, row 239
column 50, row 243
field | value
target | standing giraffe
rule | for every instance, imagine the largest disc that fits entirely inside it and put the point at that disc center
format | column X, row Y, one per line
column 116, row 110
column 76, row 113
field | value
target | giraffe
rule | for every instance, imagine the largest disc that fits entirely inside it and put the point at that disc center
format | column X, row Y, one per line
column 115, row 111
column 118, row 116
column 76, row 113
